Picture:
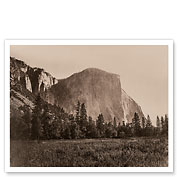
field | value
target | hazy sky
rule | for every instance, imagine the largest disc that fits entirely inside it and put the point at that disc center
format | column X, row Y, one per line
column 143, row 69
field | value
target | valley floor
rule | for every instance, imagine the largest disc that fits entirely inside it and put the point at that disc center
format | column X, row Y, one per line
column 132, row 152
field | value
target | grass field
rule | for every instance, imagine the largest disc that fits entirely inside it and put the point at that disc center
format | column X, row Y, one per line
column 133, row 152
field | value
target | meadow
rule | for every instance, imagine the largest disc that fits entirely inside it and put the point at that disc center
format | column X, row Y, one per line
column 130, row 152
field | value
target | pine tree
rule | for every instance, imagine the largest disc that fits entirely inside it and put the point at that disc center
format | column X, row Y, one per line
column 78, row 113
column 108, row 130
column 166, row 124
column 148, row 126
column 158, row 124
column 157, row 129
column 46, row 124
column 100, row 125
column 143, row 122
column 91, row 129
column 66, row 134
column 115, row 123
column 83, row 112
column 26, row 118
column 148, row 122
column 162, row 123
column 136, row 124
column 165, row 128
column 75, row 130
column 55, row 128
column 83, row 120
column 36, row 119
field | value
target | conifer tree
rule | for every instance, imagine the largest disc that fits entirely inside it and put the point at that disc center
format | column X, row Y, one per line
column 143, row 122
column 46, row 124
column 165, row 131
column 91, row 128
column 100, row 125
column 108, row 130
column 158, row 124
column 136, row 124
column 78, row 112
column 36, row 119
column 27, row 120
column 83, row 119
column 162, row 123
column 166, row 124
column 148, row 126
column 148, row 122
column 115, row 123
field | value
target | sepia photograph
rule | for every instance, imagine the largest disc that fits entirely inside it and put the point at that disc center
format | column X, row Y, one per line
column 89, row 104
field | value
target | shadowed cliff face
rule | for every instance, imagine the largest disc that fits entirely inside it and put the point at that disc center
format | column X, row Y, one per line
column 25, row 83
column 99, row 90
column 35, row 80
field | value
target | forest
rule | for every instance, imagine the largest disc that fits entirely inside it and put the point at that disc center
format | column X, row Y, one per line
column 46, row 122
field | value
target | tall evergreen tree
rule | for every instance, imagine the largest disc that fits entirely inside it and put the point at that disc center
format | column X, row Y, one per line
column 108, row 130
column 91, row 129
column 83, row 119
column 27, row 120
column 157, row 129
column 78, row 112
column 149, row 131
column 136, row 124
column 166, row 125
column 148, row 122
column 36, row 119
column 46, row 123
column 100, row 125
column 75, row 130
column 162, row 123
column 143, row 122
column 115, row 123
column 158, row 123
column 83, row 112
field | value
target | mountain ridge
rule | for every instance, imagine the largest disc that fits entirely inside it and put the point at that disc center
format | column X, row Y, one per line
column 100, row 90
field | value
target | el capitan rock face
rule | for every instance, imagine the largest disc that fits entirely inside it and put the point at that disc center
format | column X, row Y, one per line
column 99, row 90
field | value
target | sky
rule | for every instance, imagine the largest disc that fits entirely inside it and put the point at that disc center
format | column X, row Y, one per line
column 143, row 69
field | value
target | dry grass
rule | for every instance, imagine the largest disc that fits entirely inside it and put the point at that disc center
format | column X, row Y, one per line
column 134, row 152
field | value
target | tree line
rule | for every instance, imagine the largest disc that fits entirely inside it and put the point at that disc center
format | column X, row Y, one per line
column 52, row 122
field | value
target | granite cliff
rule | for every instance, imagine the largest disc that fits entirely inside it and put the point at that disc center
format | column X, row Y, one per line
column 99, row 90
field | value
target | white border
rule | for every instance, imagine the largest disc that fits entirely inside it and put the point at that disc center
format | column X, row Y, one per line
column 87, row 42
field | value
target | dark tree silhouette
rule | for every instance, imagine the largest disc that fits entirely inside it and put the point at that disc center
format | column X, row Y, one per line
column 100, row 125
column 148, row 129
column 78, row 112
column 165, row 125
column 109, row 130
column 91, row 129
column 143, row 122
column 46, row 123
column 115, row 123
column 162, row 122
column 136, row 124
column 83, row 120
column 36, row 119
